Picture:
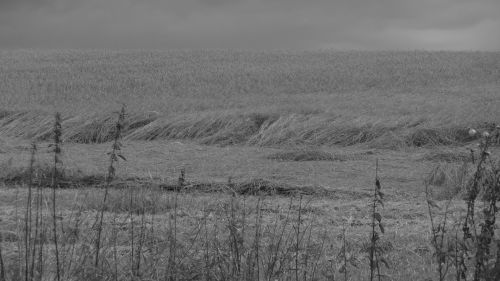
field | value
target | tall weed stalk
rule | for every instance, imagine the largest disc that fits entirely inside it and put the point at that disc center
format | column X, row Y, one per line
column 55, row 177
column 113, row 158
column 375, row 252
column 28, row 239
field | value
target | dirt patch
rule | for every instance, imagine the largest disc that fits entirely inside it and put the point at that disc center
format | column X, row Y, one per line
column 317, row 155
column 447, row 156
column 250, row 187
column 42, row 176
column 305, row 155
column 263, row 187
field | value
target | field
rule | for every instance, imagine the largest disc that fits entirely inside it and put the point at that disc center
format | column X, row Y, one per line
column 278, row 152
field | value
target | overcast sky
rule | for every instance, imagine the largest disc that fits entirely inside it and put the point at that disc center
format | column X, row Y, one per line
column 251, row 24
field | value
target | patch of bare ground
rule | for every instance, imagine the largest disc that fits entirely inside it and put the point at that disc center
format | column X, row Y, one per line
column 450, row 156
column 318, row 155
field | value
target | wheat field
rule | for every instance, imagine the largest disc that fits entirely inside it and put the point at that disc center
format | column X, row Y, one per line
column 226, row 97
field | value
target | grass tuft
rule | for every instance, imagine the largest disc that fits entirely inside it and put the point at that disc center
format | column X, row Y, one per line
column 448, row 180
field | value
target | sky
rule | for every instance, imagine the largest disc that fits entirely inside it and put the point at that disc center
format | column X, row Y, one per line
column 252, row 24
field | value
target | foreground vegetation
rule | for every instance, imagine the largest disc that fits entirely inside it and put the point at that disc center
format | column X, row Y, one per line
column 143, row 233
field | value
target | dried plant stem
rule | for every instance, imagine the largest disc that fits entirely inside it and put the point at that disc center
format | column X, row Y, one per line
column 472, row 194
column 344, row 250
column 113, row 157
column 306, row 258
column 132, row 228
column 375, row 251
column 115, row 250
column 297, row 240
column 174, row 240
column 490, row 209
column 57, row 160
column 28, row 216
column 141, row 239
column 373, row 239
column 258, row 223
column 438, row 235
column 2, row 265
column 39, row 226
column 18, row 230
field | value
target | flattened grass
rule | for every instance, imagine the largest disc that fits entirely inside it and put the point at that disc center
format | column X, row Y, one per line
column 226, row 128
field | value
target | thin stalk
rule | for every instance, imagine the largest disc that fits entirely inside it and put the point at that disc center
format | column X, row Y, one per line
column 18, row 230
column 57, row 152
column 132, row 234
column 174, row 245
column 344, row 252
column 257, row 238
column 306, row 258
column 141, row 239
column 40, row 251
column 115, row 251
column 113, row 157
column 28, row 216
column 297, row 241
column 206, row 244
column 2, row 265
column 37, row 226
column 373, row 235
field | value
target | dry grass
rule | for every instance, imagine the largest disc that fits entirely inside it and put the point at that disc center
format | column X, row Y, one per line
column 230, row 129
column 149, row 232
column 205, row 241
column 448, row 180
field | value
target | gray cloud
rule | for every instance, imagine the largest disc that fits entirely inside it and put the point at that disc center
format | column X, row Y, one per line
column 262, row 24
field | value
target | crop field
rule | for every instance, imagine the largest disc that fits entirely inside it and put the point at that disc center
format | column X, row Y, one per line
column 241, row 165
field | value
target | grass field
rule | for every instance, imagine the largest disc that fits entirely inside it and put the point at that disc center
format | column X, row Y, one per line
column 276, row 98
column 295, row 135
